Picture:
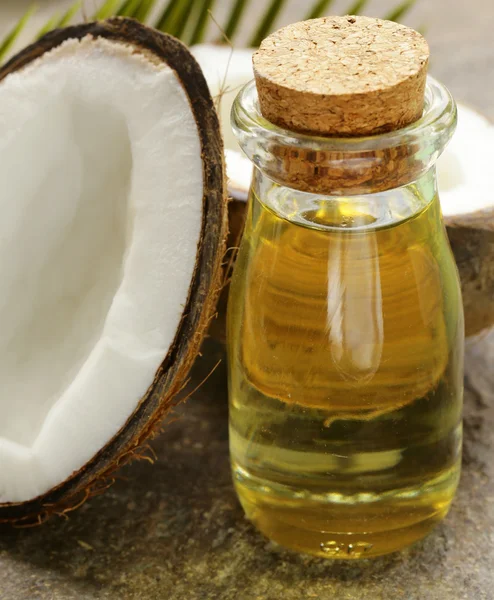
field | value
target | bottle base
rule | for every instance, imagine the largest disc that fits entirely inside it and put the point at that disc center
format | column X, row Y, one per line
column 334, row 526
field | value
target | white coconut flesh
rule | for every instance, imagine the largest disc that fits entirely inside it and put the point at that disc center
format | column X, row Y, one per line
column 101, row 203
column 463, row 170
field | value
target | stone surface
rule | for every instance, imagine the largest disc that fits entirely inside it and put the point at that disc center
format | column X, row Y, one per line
column 174, row 530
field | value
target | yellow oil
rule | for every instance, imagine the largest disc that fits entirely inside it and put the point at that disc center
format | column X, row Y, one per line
column 345, row 334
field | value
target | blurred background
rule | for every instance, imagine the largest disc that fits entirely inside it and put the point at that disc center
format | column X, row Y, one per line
column 460, row 32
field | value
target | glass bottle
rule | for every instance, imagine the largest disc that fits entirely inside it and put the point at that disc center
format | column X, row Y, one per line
column 345, row 337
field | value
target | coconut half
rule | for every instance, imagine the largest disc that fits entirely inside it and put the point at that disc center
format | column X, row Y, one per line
column 467, row 200
column 111, row 240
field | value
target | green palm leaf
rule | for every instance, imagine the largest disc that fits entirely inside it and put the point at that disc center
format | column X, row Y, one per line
column 267, row 21
column 169, row 15
column 70, row 14
column 48, row 26
column 400, row 11
column 358, row 7
column 107, row 9
column 319, row 9
column 143, row 10
column 183, row 17
column 234, row 19
column 11, row 37
column 200, row 27
column 129, row 8
column 59, row 21
column 188, row 19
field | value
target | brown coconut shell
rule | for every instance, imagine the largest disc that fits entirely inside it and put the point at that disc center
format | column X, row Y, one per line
column 473, row 248
column 171, row 377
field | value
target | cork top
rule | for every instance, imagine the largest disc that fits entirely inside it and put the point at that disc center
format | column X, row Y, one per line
column 342, row 76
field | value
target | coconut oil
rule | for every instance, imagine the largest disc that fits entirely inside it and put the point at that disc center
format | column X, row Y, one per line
column 345, row 345
column 345, row 321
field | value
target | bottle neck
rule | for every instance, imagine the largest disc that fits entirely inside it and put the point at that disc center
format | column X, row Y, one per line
column 352, row 213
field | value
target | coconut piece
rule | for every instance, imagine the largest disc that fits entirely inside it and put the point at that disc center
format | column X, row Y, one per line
column 112, row 237
column 463, row 173
column 474, row 254
column 468, row 209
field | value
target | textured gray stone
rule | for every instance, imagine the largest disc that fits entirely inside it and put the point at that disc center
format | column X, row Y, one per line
column 174, row 530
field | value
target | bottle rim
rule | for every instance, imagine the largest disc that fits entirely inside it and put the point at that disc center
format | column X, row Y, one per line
column 438, row 120
column 412, row 150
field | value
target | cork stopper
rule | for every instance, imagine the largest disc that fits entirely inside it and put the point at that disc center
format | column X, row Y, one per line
column 342, row 76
